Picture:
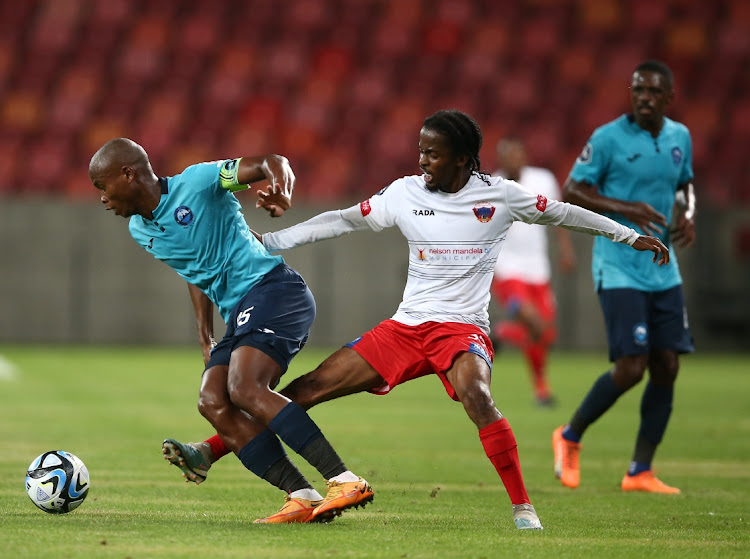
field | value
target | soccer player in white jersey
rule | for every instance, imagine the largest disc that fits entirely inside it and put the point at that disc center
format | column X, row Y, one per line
column 522, row 272
column 455, row 219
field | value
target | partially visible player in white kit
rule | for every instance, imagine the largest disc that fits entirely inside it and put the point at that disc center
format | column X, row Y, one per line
column 455, row 219
column 522, row 273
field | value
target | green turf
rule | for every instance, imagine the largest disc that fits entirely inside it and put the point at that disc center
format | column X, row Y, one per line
column 436, row 493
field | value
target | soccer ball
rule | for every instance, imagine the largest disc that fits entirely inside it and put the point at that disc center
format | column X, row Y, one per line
column 57, row 481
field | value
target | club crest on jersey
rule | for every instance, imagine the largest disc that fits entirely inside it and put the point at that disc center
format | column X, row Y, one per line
column 484, row 211
column 541, row 203
column 676, row 155
column 183, row 216
column 365, row 208
column 585, row 157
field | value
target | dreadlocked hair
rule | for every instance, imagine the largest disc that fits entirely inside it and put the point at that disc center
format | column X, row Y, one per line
column 463, row 135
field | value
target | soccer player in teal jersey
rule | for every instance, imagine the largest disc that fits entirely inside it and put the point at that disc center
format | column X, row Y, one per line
column 633, row 170
column 194, row 223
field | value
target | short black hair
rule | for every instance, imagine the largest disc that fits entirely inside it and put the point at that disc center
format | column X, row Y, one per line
column 463, row 133
column 658, row 67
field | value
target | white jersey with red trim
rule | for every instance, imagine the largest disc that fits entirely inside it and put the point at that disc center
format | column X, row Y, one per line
column 454, row 239
column 525, row 254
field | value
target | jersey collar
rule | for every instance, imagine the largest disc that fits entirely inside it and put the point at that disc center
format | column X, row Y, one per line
column 635, row 126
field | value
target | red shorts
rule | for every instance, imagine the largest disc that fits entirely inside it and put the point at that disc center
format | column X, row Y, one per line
column 512, row 293
column 400, row 353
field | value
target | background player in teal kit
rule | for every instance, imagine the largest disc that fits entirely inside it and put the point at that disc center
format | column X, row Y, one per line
column 633, row 169
column 193, row 223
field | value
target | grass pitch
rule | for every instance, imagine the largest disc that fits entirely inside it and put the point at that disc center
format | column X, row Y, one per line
column 436, row 494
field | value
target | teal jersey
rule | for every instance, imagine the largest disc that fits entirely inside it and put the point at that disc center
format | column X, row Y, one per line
column 628, row 163
column 199, row 230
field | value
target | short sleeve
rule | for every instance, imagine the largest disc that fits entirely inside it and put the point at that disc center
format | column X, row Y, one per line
column 203, row 176
column 591, row 165
column 524, row 205
column 381, row 210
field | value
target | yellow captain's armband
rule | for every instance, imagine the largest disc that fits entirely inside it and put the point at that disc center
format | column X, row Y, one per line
column 228, row 175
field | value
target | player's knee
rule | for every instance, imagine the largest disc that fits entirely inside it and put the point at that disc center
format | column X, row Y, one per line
column 665, row 375
column 245, row 395
column 211, row 407
column 477, row 401
column 629, row 374
column 301, row 391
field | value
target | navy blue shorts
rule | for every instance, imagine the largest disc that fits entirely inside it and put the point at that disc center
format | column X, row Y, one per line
column 638, row 321
column 275, row 317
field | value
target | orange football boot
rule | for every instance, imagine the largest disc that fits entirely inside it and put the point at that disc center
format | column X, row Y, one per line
column 294, row 510
column 342, row 496
column 648, row 482
column 567, row 452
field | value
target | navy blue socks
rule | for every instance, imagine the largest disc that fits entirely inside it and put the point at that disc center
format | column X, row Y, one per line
column 294, row 427
column 301, row 434
column 266, row 458
column 656, row 408
column 603, row 394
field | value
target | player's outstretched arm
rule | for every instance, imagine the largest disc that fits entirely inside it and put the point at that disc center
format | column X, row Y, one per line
column 661, row 252
column 323, row 226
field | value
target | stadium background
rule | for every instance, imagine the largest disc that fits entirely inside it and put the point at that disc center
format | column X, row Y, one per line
column 340, row 87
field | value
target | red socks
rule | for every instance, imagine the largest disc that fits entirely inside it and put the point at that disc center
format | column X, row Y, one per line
column 536, row 355
column 500, row 447
column 513, row 333
column 217, row 447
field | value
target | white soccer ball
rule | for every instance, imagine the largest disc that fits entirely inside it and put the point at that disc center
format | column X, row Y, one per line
column 57, row 481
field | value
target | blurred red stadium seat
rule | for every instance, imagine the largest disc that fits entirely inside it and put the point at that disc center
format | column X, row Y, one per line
column 733, row 39
column 46, row 162
column 687, row 39
column 576, row 65
column 490, row 37
column 460, row 12
column 10, row 164
column 601, row 14
column 739, row 123
column 540, row 38
column 647, row 14
column 406, row 13
column 520, row 92
column 22, row 111
column 101, row 130
column 442, row 38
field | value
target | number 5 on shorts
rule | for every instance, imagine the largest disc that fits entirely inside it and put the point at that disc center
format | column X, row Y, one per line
column 244, row 316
